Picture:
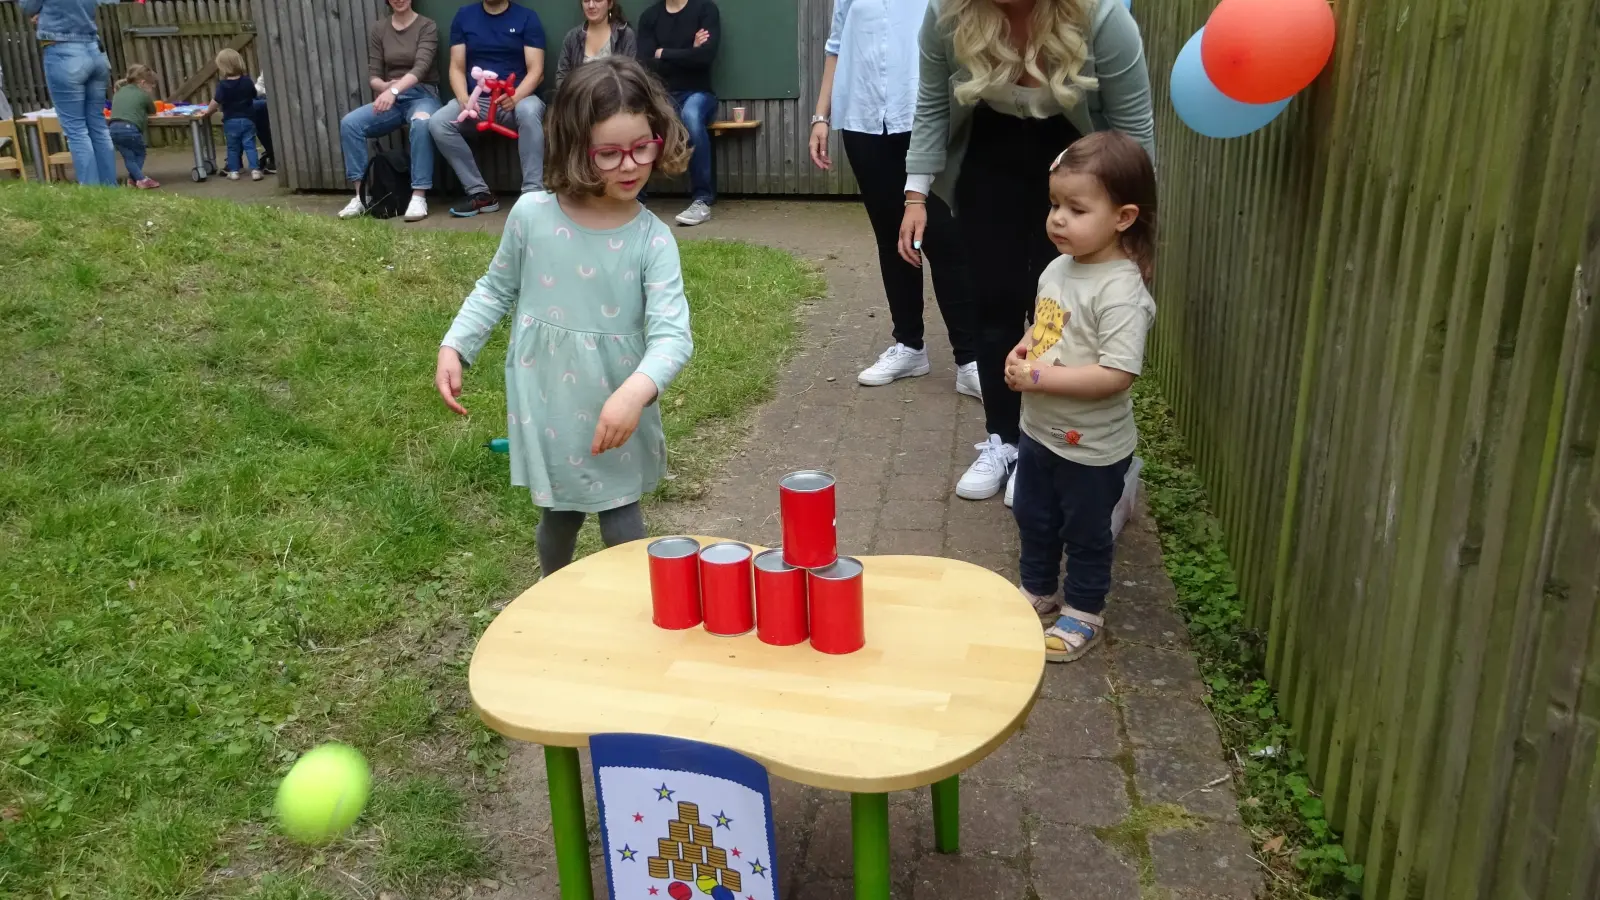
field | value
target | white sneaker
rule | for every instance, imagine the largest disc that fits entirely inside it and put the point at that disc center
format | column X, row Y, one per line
column 1011, row 487
column 233, row 176
column 987, row 474
column 352, row 209
column 967, row 380
column 255, row 175
column 893, row 364
column 417, row 209
column 697, row 213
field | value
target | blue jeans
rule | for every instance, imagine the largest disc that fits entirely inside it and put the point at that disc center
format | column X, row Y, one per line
column 1061, row 504
column 78, row 74
column 366, row 123
column 241, row 137
column 129, row 141
column 698, row 109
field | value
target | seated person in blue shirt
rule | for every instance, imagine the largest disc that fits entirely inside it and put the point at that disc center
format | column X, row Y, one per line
column 505, row 39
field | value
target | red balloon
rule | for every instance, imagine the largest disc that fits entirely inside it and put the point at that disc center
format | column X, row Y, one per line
column 1261, row 51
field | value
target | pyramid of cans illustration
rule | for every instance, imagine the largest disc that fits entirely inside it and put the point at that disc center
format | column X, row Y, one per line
column 802, row 590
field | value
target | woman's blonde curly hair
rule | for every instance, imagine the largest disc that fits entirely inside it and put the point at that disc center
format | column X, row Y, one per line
column 1056, row 51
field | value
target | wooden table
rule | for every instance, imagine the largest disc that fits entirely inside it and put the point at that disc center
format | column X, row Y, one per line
column 200, row 136
column 951, row 667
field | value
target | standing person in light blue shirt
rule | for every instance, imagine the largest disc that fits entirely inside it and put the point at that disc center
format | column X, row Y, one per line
column 78, row 75
column 869, row 85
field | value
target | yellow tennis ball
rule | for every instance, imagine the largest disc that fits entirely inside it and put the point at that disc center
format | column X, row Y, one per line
column 323, row 793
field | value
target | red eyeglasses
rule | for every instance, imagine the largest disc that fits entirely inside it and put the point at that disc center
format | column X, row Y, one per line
column 607, row 157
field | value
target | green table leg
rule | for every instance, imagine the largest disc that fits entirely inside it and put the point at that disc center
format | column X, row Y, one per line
column 947, row 815
column 869, row 826
column 567, row 820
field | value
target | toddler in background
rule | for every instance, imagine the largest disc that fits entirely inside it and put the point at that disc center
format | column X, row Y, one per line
column 131, row 108
column 236, row 97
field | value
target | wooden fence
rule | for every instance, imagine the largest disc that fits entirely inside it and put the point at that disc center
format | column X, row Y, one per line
column 1377, row 329
column 316, row 58
column 178, row 38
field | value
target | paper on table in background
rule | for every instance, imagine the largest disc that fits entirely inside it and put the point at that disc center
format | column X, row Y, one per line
column 680, row 819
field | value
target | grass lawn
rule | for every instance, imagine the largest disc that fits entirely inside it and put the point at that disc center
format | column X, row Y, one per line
column 236, row 522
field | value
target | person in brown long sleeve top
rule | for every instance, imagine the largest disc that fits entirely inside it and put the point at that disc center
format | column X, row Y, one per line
column 401, row 49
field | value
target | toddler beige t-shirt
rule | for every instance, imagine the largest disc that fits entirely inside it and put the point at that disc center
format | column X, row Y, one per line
column 1094, row 314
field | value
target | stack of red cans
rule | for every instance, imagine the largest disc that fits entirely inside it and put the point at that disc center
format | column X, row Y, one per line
column 805, row 589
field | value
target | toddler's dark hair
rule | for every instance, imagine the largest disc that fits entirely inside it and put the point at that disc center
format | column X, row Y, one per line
column 594, row 92
column 1125, row 170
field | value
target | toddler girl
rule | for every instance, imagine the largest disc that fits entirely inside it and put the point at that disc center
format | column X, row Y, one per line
column 131, row 108
column 236, row 97
column 600, row 325
column 1074, row 369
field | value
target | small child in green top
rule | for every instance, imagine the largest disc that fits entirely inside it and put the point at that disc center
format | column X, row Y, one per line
column 599, row 321
column 131, row 108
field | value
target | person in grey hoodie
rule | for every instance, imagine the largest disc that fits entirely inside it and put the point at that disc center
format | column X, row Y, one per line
column 605, row 32
column 78, row 75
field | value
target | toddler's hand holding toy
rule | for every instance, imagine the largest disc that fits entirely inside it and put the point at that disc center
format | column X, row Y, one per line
column 1021, row 376
column 619, row 418
column 447, row 378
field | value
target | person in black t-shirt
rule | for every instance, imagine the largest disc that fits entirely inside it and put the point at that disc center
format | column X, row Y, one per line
column 678, row 40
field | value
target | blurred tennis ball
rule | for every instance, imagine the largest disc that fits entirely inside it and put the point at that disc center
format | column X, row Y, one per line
column 323, row 793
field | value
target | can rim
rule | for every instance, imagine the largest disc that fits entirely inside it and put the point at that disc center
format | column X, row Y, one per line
column 806, row 481
column 676, row 547
column 772, row 561
column 725, row 553
column 842, row 569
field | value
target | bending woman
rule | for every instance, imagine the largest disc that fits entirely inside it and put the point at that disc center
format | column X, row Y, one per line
column 1005, row 85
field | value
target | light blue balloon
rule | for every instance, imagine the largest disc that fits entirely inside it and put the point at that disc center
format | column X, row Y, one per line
column 1207, row 110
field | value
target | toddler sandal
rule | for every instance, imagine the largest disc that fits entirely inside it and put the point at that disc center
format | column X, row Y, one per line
column 1047, row 608
column 1074, row 634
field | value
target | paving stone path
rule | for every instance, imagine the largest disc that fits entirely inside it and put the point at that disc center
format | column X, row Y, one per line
column 1047, row 817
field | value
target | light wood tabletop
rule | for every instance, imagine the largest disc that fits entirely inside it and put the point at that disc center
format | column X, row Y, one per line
column 951, row 667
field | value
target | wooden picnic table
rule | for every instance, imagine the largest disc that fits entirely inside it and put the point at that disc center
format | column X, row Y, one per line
column 200, row 137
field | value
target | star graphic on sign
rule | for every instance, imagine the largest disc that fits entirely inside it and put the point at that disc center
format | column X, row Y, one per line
column 736, row 853
column 654, row 892
column 638, row 817
column 723, row 821
column 628, row 853
column 662, row 793
column 756, row 868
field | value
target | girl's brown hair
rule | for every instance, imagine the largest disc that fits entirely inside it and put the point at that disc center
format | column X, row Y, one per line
column 1122, row 167
column 139, row 74
column 230, row 63
column 594, row 92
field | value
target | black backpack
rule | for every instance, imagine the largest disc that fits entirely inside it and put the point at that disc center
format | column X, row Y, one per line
column 386, row 185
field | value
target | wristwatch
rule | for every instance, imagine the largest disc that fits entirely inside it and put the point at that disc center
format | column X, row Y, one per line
column 394, row 91
column 815, row 119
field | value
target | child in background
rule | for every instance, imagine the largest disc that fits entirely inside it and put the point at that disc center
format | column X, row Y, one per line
column 131, row 108
column 1074, row 369
column 600, row 324
column 236, row 97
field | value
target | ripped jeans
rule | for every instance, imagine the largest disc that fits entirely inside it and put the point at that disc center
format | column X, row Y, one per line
column 363, row 124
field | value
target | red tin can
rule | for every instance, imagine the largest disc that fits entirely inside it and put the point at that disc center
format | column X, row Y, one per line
column 806, row 507
column 725, row 588
column 780, row 600
column 675, row 582
column 837, row 619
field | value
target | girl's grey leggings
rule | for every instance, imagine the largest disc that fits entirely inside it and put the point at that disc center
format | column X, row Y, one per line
column 557, row 535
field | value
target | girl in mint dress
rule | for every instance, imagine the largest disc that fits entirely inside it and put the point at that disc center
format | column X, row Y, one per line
column 599, row 320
